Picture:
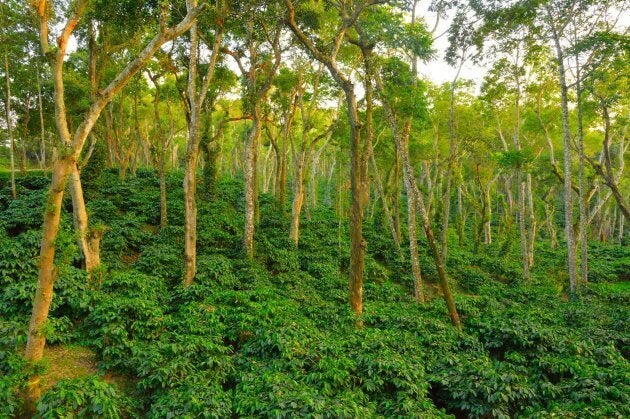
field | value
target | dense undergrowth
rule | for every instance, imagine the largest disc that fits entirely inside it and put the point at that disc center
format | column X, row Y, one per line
column 274, row 336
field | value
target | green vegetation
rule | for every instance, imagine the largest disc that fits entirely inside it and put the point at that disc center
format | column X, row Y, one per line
column 288, row 208
column 274, row 336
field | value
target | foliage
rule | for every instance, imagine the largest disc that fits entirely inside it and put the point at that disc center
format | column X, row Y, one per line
column 273, row 336
column 82, row 398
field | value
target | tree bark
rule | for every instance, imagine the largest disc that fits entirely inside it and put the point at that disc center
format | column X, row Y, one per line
column 568, row 194
column 195, row 100
column 401, row 140
column 62, row 167
column 9, row 123
column 27, row 117
column 82, row 231
column 581, row 180
column 42, row 140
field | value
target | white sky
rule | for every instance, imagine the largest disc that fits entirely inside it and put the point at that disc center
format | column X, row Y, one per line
column 437, row 70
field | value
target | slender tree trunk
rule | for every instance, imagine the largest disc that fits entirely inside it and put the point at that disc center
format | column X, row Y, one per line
column 568, row 194
column 521, row 183
column 581, row 180
column 532, row 221
column 446, row 200
column 192, row 157
column 401, row 140
column 298, row 199
column 250, row 183
column 27, row 118
column 9, row 123
column 196, row 98
column 81, row 224
column 160, row 152
column 42, row 140
column 396, row 196
column 549, row 211
column 383, row 197
column 412, row 229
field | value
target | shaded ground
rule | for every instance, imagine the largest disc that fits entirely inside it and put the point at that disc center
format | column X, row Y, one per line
column 71, row 361
column 67, row 362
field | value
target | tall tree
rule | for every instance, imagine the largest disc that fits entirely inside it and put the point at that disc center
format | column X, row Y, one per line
column 345, row 16
column 72, row 146
column 196, row 97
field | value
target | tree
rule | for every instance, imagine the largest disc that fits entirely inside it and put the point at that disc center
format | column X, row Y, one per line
column 195, row 98
column 345, row 17
column 258, row 68
column 72, row 146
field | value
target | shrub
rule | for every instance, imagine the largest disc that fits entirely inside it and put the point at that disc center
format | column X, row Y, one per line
column 83, row 398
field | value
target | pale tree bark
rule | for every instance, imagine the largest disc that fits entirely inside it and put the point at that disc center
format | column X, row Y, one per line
column 300, row 172
column 25, row 122
column 581, row 180
column 159, row 147
column 72, row 145
column 533, row 225
column 305, row 153
column 520, row 181
column 606, row 172
column 195, row 99
column 568, row 194
column 549, row 214
column 383, row 197
column 401, row 139
column 255, row 93
column 7, row 105
column 396, row 196
column 42, row 139
column 87, row 239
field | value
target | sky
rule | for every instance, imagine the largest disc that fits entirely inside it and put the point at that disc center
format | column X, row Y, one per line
column 437, row 70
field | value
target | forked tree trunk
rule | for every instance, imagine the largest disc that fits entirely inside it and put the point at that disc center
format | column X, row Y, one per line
column 62, row 167
column 357, row 172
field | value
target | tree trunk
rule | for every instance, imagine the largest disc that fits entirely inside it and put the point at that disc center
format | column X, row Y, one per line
column 388, row 214
column 532, row 221
column 298, row 199
column 418, row 288
column 9, row 123
column 27, row 118
column 47, row 272
column 251, row 150
column 446, row 199
column 568, row 194
column 581, row 180
column 549, row 211
column 81, row 225
column 401, row 140
column 190, row 206
column 42, row 140
column 358, row 244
